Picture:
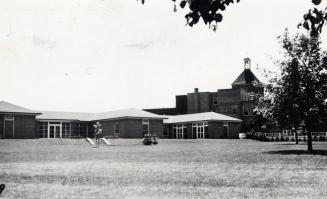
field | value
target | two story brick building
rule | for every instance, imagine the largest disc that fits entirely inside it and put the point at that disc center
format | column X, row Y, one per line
column 236, row 102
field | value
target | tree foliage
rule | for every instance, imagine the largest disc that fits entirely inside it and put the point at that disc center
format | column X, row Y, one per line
column 211, row 12
column 315, row 19
column 299, row 94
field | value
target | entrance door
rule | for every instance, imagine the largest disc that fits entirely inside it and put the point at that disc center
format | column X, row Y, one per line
column 200, row 133
column 9, row 129
column 54, row 131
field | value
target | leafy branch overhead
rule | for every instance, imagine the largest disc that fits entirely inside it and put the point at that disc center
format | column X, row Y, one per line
column 315, row 19
column 210, row 11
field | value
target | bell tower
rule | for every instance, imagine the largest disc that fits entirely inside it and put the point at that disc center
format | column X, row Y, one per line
column 247, row 63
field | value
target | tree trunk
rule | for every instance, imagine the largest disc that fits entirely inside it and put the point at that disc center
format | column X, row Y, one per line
column 309, row 141
column 296, row 137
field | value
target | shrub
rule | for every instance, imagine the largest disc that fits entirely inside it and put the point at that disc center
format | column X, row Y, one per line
column 147, row 140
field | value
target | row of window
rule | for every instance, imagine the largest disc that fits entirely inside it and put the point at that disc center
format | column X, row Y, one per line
column 62, row 129
column 247, row 111
column 244, row 97
column 199, row 130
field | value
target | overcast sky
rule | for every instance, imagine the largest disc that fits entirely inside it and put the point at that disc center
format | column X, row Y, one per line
column 101, row 55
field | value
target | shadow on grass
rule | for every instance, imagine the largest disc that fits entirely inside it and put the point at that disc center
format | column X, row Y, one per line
column 299, row 152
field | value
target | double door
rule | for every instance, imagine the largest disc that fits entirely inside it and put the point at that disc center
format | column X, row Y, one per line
column 200, row 132
column 54, row 131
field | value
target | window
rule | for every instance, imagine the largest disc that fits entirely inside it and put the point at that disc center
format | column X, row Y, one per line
column 223, row 109
column 200, row 130
column 116, row 130
column 234, row 109
column 245, row 111
column 65, row 130
column 145, row 126
column 179, row 131
column 80, row 129
column 225, row 124
column 43, row 129
column 9, row 117
column 215, row 99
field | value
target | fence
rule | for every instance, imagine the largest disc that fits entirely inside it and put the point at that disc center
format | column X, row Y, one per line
column 288, row 136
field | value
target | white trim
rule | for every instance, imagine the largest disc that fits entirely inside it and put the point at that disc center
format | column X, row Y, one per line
column 179, row 130
column 200, row 129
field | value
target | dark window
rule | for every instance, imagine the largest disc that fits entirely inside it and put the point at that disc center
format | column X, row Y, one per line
column 245, row 111
column 65, row 130
column 43, row 129
column 116, row 132
column 215, row 100
column 234, row 109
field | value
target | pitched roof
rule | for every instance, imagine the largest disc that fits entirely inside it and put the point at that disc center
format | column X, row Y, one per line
column 246, row 77
column 126, row 113
column 207, row 116
column 6, row 107
column 80, row 116
column 58, row 115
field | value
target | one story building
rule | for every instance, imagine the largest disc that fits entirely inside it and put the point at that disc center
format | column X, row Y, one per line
column 16, row 121
column 127, row 123
column 208, row 125
column 19, row 122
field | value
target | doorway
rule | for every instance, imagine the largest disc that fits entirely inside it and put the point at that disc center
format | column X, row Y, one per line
column 200, row 132
column 54, row 131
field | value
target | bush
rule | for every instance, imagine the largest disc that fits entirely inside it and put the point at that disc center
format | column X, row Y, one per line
column 147, row 140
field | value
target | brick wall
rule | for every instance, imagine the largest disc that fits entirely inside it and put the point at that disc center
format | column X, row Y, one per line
column 216, row 130
column 198, row 102
column 25, row 126
column 131, row 128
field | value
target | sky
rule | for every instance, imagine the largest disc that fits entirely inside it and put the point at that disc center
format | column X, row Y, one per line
column 101, row 55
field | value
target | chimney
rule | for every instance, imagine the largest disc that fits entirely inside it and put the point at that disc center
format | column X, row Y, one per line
column 196, row 90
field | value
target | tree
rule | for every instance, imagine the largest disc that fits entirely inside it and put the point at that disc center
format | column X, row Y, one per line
column 299, row 94
column 97, row 133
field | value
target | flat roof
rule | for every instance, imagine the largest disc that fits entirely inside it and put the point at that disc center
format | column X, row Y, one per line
column 207, row 116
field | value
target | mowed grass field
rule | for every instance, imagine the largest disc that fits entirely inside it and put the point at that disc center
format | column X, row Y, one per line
column 173, row 169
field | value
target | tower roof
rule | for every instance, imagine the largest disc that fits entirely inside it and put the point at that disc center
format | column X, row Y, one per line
column 246, row 77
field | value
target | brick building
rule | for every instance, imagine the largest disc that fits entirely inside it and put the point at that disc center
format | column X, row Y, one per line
column 235, row 102
column 207, row 125
column 16, row 121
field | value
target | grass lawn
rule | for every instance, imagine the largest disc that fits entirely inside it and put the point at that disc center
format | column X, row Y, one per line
column 173, row 169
